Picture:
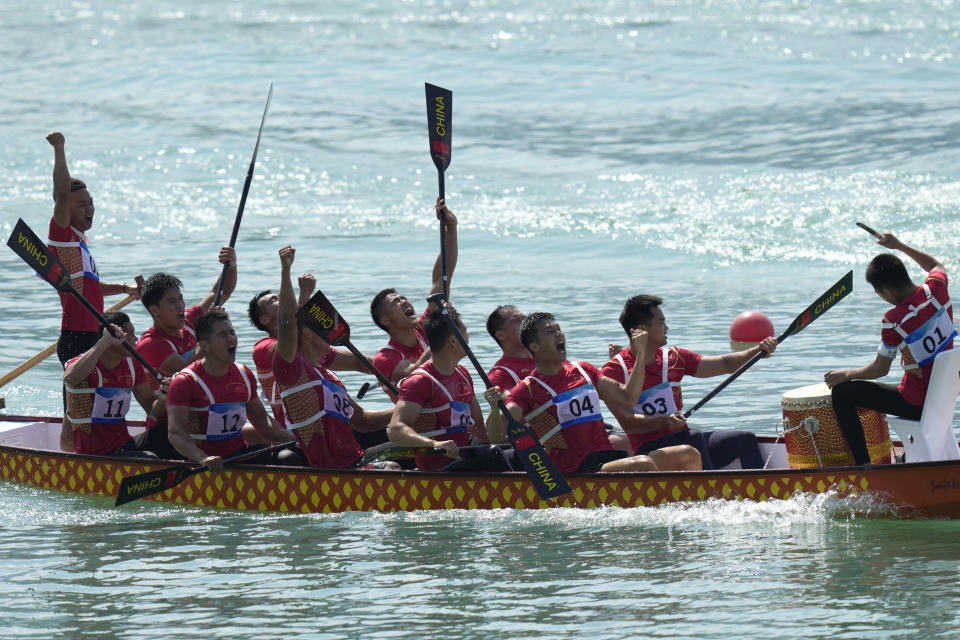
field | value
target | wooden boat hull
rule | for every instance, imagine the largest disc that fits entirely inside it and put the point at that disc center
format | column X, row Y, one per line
column 931, row 488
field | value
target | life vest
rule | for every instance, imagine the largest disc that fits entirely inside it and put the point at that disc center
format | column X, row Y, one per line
column 510, row 372
column 304, row 405
column 660, row 399
column 573, row 406
column 460, row 418
column 100, row 404
column 225, row 420
column 926, row 341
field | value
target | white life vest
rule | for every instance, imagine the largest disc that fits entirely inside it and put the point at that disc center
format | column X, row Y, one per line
column 660, row 399
column 110, row 404
column 225, row 420
column 461, row 418
column 574, row 406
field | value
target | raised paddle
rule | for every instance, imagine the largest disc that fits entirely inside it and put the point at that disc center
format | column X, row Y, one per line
column 870, row 231
column 43, row 355
column 146, row 484
column 320, row 317
column 540, row 468
column 440, row 130
column 243, row 198
column 832, row 296
column 28, row 246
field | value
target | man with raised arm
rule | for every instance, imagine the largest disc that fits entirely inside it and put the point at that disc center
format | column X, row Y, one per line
column 264, row 312
column 101, row 385
column 72, row 217
column 170, row 344
column 437, row 406
column 319, row 411
column 392, row 312
column 653, row 418
column 560, row 401
column 212, row 398
column 919, row 326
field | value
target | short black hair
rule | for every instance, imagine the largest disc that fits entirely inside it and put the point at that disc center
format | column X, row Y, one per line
column 155, row 285
column 253, row 310
column 887, row 271
column 530, row 325
column 203, row 328
column 375, row 306
column 496, row 319
column 118, row 318
column 438, row 329
column 638, row 310
column 76, row 184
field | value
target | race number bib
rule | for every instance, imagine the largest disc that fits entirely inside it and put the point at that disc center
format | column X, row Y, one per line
column 225, row 420
column 336, row 402
column 89, row 266
column 930, row 339
column 580, row 404
column 657, row 401
column 460, row 417
column 110, row 405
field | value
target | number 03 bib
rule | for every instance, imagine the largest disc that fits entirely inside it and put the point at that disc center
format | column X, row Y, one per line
column 658, row 400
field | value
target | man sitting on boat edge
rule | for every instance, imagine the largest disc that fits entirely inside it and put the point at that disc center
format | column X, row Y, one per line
column 653, row 418
column 100, row 385
column 212, row 398
column 919, row 326
column 560, row 401
column 319, row 411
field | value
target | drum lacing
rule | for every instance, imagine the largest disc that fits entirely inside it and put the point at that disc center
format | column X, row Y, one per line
column 810, row 424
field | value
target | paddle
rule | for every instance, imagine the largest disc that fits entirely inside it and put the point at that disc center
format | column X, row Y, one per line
column 870, row 231
column 28, row 246
column 540, row 468
column 390, row 451
column 440, row 130
column 320, row 317
column 243, row 198
column 831, row 297
column 43, row 355
column 146, row 484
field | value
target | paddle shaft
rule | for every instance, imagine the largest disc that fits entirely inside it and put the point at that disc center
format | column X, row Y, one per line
column 871, row 231
column 23, row 367
column 362, row 358
column 243, row 199
column 443, row 239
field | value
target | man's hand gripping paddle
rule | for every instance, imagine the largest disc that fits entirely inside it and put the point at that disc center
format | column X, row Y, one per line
column 832, row 296
column 320, row 317
column 440, row 130
column 540, row 468
column 35, row 253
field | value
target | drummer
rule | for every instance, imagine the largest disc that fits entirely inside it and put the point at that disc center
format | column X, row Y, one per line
column 655, row 419
column 919, row 326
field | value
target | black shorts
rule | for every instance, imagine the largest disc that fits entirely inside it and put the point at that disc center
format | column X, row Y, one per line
column 595, row 460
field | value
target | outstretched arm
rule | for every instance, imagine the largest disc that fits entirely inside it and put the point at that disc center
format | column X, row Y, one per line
column 451, row 248
column 927, row 262
column 287, row 309
column 227, row 256
column 718, row 365
column 61, row 181
column 876, row 369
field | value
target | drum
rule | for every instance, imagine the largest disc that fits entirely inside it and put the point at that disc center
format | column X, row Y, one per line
column 810, row 427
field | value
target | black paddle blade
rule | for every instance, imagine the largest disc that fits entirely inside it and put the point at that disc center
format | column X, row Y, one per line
column 320, row 317
column 536, row 462
column 832, row 296
column 439, row 124
column 870, row 231
column 146, row 484
column 35, row 253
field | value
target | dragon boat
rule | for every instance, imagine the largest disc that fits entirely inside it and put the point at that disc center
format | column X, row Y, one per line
column 30, row 454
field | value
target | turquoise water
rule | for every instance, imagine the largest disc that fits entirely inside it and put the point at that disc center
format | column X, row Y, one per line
column 714, row 153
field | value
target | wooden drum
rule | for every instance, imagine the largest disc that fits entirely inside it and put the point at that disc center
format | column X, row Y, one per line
column 808, row 411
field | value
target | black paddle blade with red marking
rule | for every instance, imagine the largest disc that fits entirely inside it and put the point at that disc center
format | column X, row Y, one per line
column 146, row 484
column 832, row 296
column 439, row 124
column 319, row 315
column 34, row 252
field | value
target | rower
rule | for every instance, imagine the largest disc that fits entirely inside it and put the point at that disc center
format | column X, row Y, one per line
column 560, row 401
column 170, row 344
column 264, row 311
column 100, row 384
column 72, row 217
column 392, row 312
column 319, row 410
column 919, row 326
column 516, row 363
column 212, row 398
column 653, row 418
column 437, row 406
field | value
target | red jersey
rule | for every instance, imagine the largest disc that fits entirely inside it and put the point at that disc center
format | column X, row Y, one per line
column 156, row 346
column 217, row 405
column 70, row 246
column 318, row 410
column 446, row 402
column 508, row 371
column 263, row 361
column 919, row 327
column 98, row 405
column 661, row 384
column 387, row 359
column 571, row 403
